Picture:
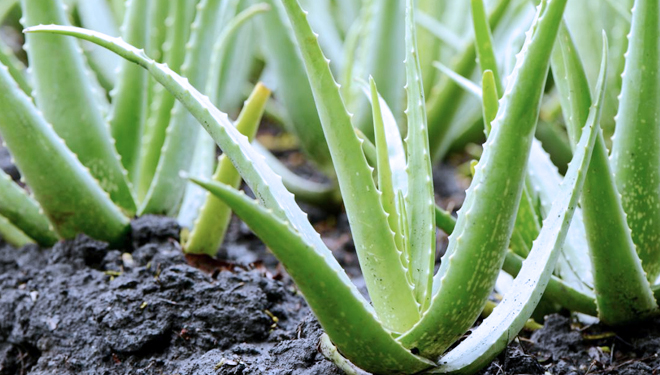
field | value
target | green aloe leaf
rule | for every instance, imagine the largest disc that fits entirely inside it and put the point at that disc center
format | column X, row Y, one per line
column 443, row 102
column 484, row 42
column 380, row 56
column 293, row 87
column 15, row 66
column 129, row 98
column 97, row 15
column 374, row 241
column 635, row 155
column 162, row 101
column 211, row 224
column 57, row 66
column 478, row 245
column 12, row 235
column 621, row 296
column 70, row 197
column 23, row 212
column 420, row 199
column 343, row 312
column 500, row 328
column 390, row 163
column 222, row 60
column 167, row 187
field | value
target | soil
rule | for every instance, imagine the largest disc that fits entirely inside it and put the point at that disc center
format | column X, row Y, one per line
column 85, row 308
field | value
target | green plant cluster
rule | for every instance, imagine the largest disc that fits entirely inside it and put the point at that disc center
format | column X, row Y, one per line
column 585, row 239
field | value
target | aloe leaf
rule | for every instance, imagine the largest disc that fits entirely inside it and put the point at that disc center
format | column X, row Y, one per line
column 129, row 98
column 167, row 187
column 484, row 41
column 420, row 203
column 163, row 102
column 343, row 312
column 70, row 197
column 558, row 290
column 390, row 161
column 57, row 66
column 12, row 235
column 97, row 15
column 158, row 27
column 15, row 66
column 500, row 328
column 211, row 224
column 574, row 265
column 621, row 297
column 478, row 245
column 23, row 212
column 381, row 57
column 374, row 241
column 429, row 46
column 294, row 90
column 443, row 102
column 635, row 156
column 329, row 36
column 238, row 69
column 490, row 98
column 204, row 159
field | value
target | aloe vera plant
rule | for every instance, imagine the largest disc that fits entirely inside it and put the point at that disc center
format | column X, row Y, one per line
column 80, row 149
column 414, row 316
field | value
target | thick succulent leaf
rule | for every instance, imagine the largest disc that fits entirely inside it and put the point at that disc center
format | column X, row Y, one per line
column 202, row 166
column 97, row 15
column 374, row 241
column 635, row 152
column 501, row 327
column 163, row 101
column 204, row 159
column 70, row 197
column 158, row 28
column 386, row 184
column 57, row 66
column 129, row 98
column 621, row 296
column 381, row 56
column 15, row 66
column 574, row 265
column 420, row 200
column 443, row 102
column 557, row 291
column 490, row 98
column 23, row 212
column 12, row 235
column 428, row 45
column 294, row 90
column 342, row 312
column 484, row 42
column 478, row 245
column 239, row 58
column 330, row 37
column 211, row 224
column 167, row 187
